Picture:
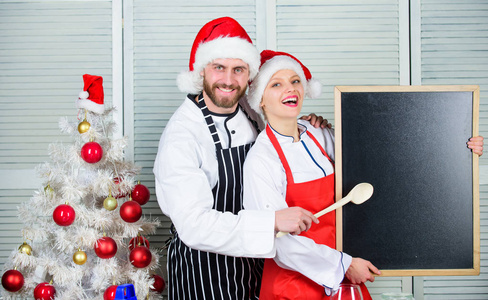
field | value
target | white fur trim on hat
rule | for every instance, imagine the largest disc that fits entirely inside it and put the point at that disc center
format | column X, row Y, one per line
column 190, row 82
column 90, row 105
column 312, row 87
column 84, row 102
column 222, row 47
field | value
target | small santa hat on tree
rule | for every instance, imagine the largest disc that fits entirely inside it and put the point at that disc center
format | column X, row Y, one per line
column 91, row 98
column 220, row 38
column 272, row 62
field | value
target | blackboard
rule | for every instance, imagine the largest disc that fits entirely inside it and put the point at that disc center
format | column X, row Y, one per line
column 409, row 142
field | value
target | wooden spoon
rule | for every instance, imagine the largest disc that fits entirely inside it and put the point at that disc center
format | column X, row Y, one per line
column 359, row 194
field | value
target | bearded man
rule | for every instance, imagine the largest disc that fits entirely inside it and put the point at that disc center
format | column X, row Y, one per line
column 216, row 245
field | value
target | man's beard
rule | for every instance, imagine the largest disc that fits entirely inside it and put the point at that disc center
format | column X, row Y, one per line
column 223, row 102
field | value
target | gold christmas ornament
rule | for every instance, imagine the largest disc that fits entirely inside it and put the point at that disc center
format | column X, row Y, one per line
column 48, row 190
column 25, row 248
column 110, row 203
column 83, row 126
column 79, row 257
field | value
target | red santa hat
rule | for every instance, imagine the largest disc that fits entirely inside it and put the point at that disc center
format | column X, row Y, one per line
column 219, row 38
column 272, row 62
column 91, row 98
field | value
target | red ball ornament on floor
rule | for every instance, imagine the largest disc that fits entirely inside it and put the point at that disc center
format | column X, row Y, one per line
column 138, row 241
column 12, row 280
column 140, row 257
column 91, row 152
column 64, row 215
column 105, row 247
column 159, row 284
column 140, row 194
column 110, row 293
column 130, row 211
column 44, row 291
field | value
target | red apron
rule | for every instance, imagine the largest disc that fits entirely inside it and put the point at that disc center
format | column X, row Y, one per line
column 315, row 195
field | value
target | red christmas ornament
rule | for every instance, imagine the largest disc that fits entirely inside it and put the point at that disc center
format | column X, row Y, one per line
column 12, row 280
column 91, row 152
column 159, row 284
column 140, row 257
column 138, row 241
column 105, row 247
column 140, row 194
column 118, row 193
column 130, row 211
column 64, row 215
column 110, row 293
column 44, row 291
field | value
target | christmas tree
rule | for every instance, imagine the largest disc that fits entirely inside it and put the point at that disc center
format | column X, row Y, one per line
column 84, row 233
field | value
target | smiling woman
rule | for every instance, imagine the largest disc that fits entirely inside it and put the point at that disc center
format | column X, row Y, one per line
column 292, row 164
column 282, row 102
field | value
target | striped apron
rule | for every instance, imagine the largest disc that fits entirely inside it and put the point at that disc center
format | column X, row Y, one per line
column 194, row 274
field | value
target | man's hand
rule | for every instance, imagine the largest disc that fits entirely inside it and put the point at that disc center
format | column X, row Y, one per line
column 361, row 270
column 476, row 145
column 294, row 220
column 316, row 121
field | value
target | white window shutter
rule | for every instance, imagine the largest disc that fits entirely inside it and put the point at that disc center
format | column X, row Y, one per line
column 45, row 48
column 342, row 43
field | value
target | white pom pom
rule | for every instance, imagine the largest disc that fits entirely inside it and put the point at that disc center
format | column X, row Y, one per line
column 83, row 95
column 190, row 82
column 314, row 88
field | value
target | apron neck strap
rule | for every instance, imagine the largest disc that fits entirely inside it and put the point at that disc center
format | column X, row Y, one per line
column 320, row 147
column 276, row 145
column 210, row 123
column 284, row 162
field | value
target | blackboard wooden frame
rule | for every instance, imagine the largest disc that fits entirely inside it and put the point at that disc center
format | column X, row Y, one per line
column 408, row 264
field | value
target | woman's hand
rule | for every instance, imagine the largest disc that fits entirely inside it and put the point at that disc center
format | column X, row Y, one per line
column 294, row 220
column 361, row 271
